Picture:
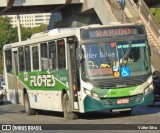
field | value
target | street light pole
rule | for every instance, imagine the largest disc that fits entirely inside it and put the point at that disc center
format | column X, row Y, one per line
column 19, row 29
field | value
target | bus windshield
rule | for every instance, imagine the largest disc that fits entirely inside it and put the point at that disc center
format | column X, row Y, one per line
column 112, row 59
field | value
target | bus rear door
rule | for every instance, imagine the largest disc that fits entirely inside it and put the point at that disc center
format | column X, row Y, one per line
column 15, row 95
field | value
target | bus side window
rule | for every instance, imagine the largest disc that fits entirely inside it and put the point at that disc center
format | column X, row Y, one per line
column 21, row 59
column 35, row 58
column 61, row 54
column 44, row 57
column 52, row 55
column 27, row 58
column 8, row 55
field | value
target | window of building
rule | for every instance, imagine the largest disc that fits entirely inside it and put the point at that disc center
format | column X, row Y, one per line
column 38, row 16
column 61, row 54
column 52, row 55
column 39, row 19
column 44, row 56
column 21, row 59
column 48, row 15
column 8, row 56
column 35, row 58
column 27, row 58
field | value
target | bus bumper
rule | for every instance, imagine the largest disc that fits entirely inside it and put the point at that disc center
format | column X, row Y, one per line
column 91, row 104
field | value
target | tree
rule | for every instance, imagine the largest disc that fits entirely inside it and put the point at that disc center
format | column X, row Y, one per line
column 25, row 33
column 8, row 34
column 156, row 13
column 41, row 28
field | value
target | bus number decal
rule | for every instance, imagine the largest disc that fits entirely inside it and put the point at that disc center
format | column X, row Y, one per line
column 46, row 80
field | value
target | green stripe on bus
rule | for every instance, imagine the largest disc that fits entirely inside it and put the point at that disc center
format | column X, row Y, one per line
column 114, row 92
column 43, row 80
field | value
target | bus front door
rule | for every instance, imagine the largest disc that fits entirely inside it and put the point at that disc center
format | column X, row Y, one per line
column 73, row 76
column 15, row 74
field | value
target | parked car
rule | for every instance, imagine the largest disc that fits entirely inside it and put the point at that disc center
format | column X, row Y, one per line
column 156, row 84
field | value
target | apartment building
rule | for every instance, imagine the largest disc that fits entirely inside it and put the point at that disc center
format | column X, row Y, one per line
column 30, row 20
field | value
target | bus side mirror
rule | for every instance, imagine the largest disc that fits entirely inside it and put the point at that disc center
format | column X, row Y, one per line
column 155, row 75
column 79, row 55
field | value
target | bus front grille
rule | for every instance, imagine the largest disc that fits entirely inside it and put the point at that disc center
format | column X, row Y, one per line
column 113, row 101
column 116, row 83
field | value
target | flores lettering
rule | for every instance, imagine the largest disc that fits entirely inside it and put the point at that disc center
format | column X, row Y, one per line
column 45, row 80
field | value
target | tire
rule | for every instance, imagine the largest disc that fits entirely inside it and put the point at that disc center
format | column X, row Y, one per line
column 67, row 110
column 128, row 112
column 28, row 110
column 1, row 102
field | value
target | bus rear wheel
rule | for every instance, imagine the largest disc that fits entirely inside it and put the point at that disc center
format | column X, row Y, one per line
column 127, row 112
column 67, row 110
column 28, row 110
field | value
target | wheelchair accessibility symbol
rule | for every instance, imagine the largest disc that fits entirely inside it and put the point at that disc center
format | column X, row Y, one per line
column 125, row 72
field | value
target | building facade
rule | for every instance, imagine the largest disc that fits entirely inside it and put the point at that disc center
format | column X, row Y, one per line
column 30, row 20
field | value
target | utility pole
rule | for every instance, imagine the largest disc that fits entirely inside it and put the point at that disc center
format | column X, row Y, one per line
column 19, row 29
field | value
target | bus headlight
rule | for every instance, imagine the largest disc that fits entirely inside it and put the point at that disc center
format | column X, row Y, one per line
column 88, row 92
column 92, row 94
column 95, row 95
column 149, row 88
column 146, row 90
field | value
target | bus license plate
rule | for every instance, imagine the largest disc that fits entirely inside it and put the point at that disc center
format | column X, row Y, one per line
column 122, row 101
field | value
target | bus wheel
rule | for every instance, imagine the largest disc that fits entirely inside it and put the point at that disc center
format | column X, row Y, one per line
column 128, row 112
column 28, row 110
column 1, row 102
column 67, row 108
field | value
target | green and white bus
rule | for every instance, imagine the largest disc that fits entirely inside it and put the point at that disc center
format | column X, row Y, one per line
column 79, row 70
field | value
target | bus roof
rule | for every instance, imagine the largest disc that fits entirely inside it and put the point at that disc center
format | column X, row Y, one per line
column 59, row 33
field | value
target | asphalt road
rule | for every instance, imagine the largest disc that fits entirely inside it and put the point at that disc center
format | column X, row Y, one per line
column 15, row 114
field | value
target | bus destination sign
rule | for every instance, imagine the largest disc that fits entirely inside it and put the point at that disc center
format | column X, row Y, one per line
column 109, row 32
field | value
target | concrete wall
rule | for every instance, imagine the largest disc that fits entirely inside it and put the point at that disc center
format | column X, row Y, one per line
column 73, row 17
column 102, row 9
column 3, row 3
column 41, row 2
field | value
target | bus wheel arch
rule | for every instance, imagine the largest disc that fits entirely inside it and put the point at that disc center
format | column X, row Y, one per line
column 23, row 93
column 28, row 110
column 62, row 94
column 67, row 110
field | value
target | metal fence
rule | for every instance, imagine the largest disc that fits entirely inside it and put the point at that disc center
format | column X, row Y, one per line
column 155, row 26
column 118, row 12
column 152, row 22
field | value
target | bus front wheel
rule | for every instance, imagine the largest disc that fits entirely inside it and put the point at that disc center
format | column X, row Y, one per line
column 1, row 102
column 28, row 110
column 67, row 110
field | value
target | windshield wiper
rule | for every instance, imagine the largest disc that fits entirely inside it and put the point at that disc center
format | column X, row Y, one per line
column 126, row 54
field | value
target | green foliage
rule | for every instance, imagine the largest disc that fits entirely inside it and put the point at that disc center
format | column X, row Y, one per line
column 25, row 33
column 38, row 29
column 7, row 33
column 156, row 13
column 28, row 32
